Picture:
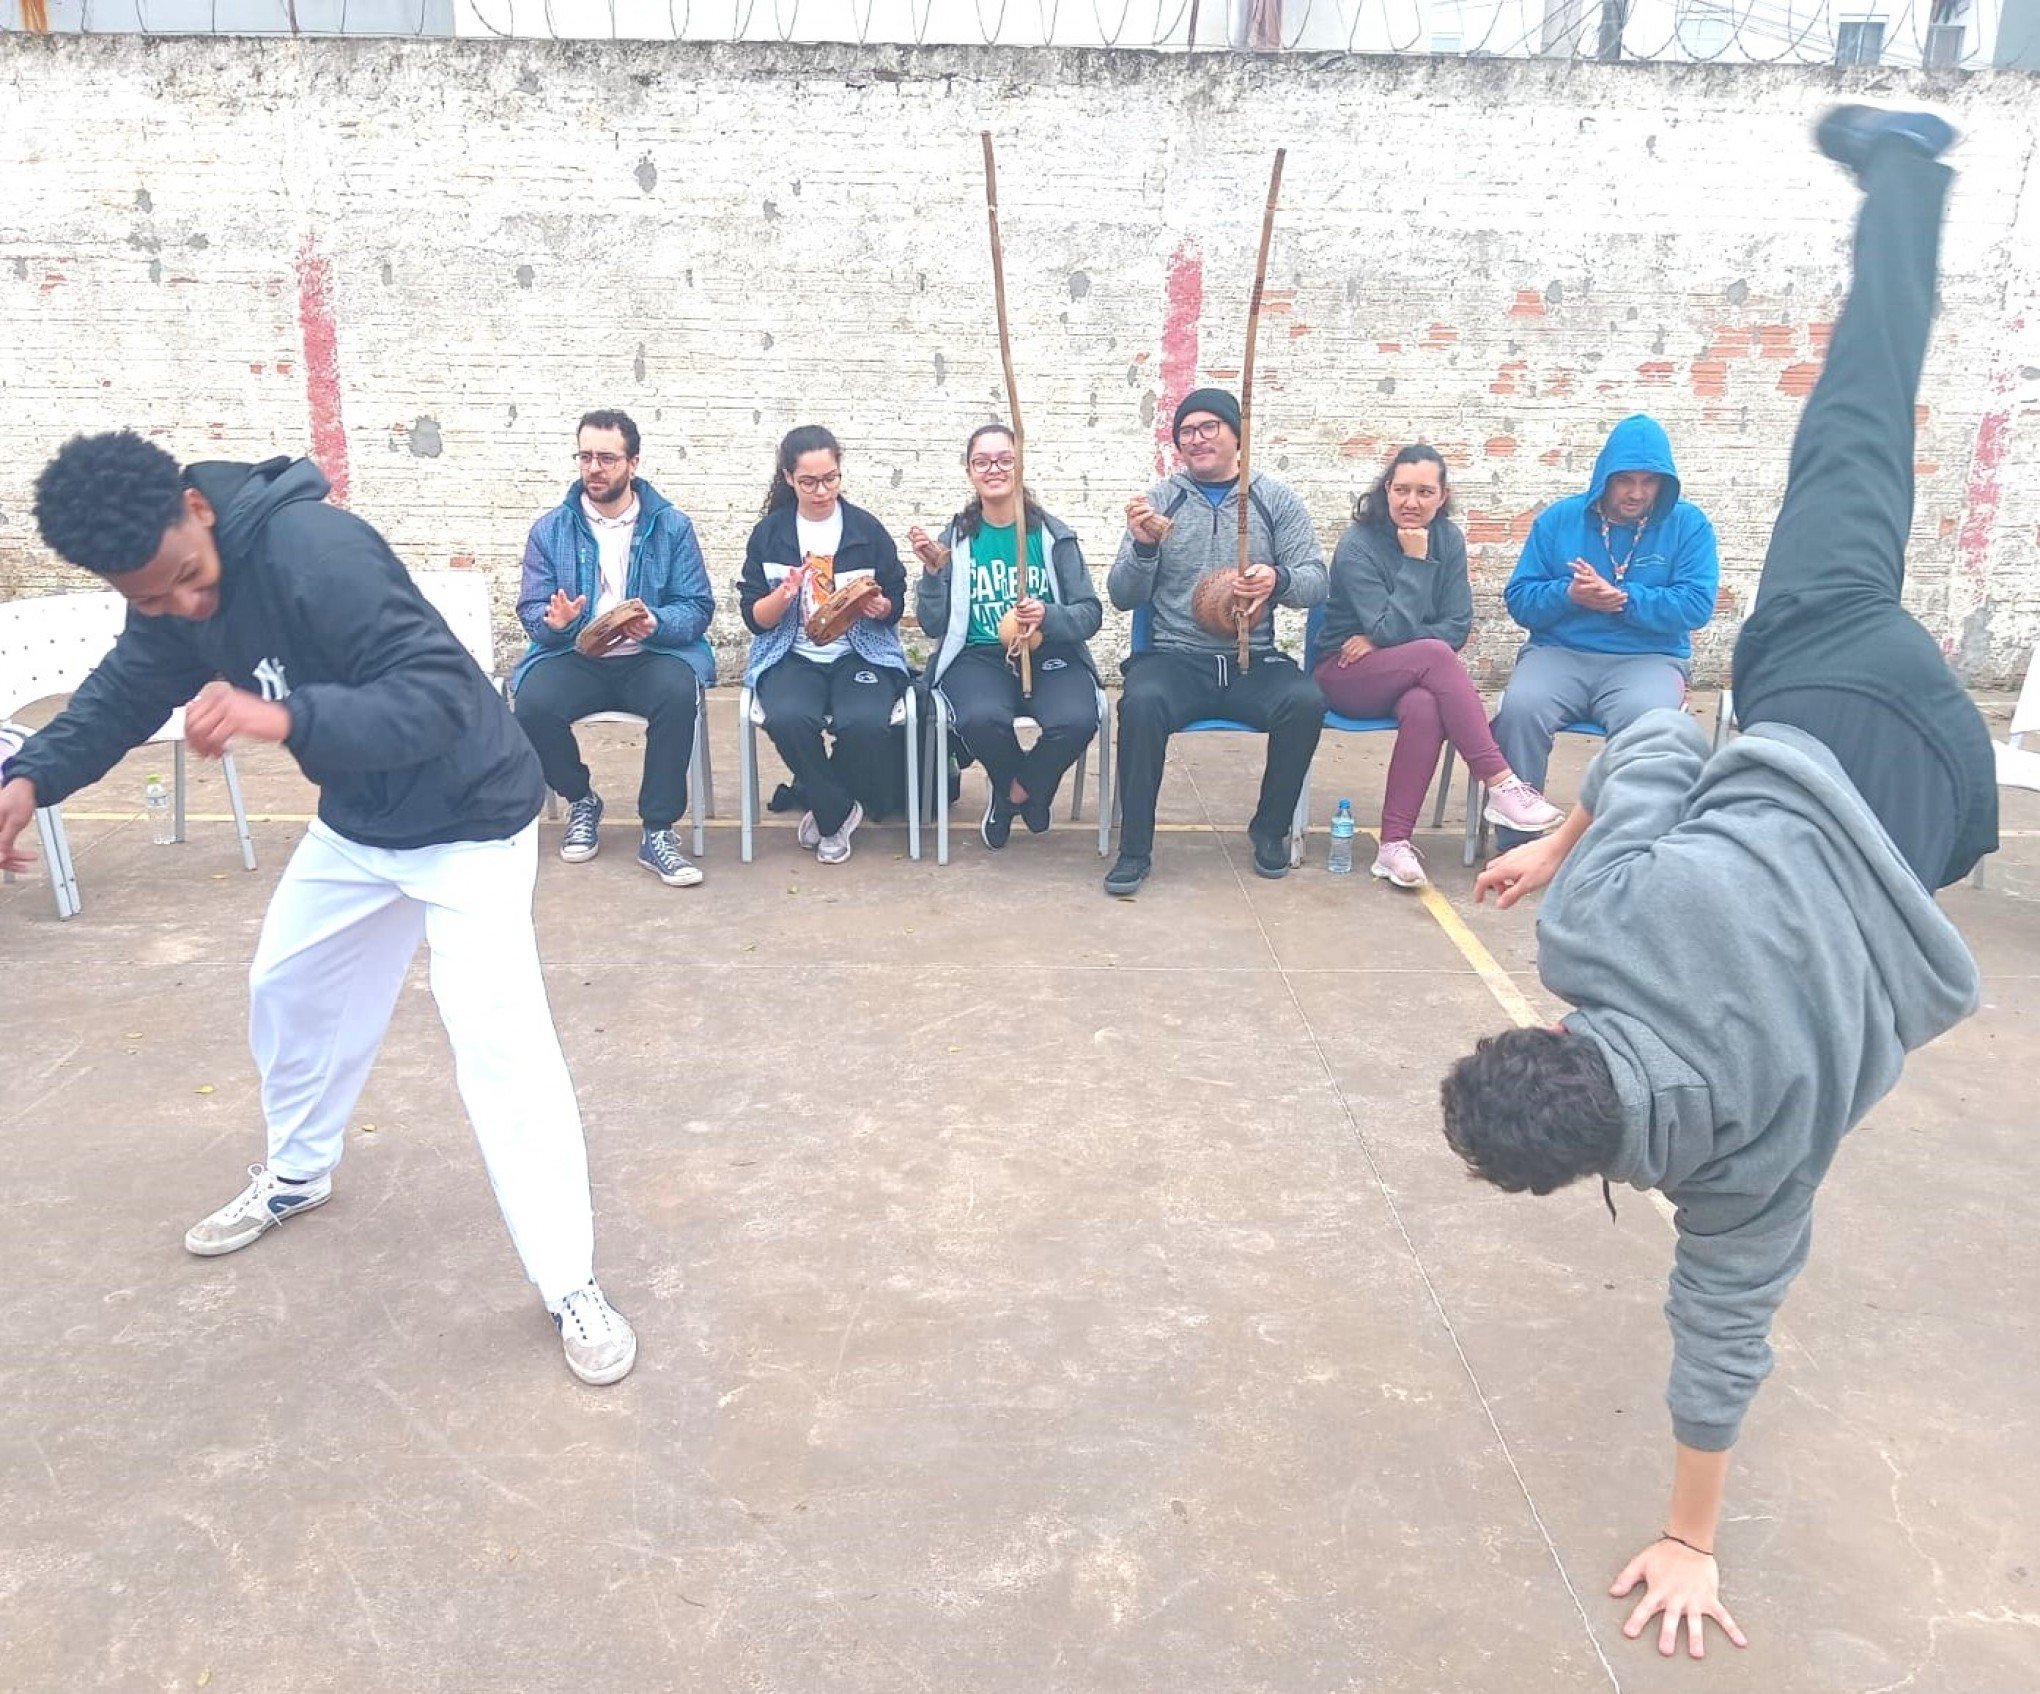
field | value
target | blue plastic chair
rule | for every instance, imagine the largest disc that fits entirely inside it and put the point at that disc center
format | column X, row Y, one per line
column 1313, row 632
column 1476, row 790
column 1143, row 639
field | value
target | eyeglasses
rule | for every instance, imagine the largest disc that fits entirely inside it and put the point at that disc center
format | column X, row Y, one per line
column 1205, row 431
column 818, row 484
column 608, row 461
column 1004, row 462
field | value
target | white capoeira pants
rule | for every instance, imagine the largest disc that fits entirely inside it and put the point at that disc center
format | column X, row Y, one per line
column 336, row 945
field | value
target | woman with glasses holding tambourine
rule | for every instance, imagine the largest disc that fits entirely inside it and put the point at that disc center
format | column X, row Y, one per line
column 968, row 599
column 821, row 592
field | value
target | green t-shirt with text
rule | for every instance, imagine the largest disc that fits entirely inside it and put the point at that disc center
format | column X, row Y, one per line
column 992, row 575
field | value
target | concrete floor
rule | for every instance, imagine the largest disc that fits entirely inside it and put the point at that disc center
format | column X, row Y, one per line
column 1037, row 1293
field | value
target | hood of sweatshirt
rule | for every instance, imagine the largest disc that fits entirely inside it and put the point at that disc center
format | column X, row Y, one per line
column 1804, row 1039
column 1638, row 443
column 245, row 497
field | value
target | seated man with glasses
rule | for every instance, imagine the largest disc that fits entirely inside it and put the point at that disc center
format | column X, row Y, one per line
column 615, row 538
column 1175, row 533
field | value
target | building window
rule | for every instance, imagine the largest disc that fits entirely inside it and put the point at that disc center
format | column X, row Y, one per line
column 1445, row 44
column 1860, row 42
column 1944, row 46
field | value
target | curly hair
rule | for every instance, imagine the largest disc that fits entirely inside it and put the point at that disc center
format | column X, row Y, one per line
column 105, row 501
column 1532, row 1109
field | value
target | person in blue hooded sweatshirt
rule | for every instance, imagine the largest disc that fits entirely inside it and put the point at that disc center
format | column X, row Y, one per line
column 1749, row 941
column 1611, row 585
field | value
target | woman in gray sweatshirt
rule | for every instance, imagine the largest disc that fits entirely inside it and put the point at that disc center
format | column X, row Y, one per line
column 1400, row 609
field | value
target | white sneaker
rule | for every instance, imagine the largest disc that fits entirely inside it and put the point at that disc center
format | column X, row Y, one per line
column 254, row 1212
column 834, row 849
column 1400, row 863
column 599, row 1343
column 809, row 833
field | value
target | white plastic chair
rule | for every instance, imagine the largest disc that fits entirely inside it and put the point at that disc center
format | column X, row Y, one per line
column 751, row 719
column 48, row 646
column 462, row 599
column 936, row 777
column 2018, row 766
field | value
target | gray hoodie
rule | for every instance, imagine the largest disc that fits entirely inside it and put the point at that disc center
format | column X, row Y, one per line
column 1279, row 533
column 1754, row 960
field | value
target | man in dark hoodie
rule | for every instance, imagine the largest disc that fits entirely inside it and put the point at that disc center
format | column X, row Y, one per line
column 1611, row 585
column 1750, row 942
column 281, row 618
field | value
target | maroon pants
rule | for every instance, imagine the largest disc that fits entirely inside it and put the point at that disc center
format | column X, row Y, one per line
column 1423, row 685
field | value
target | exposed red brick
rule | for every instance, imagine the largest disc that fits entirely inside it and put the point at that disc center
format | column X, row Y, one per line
column 1529, row 304
column 1500, row 446
column 1710, row 378
column 1440, row 335
column 1920, row 416
column 1777, row 341
column 1798, row 379
column 1388, row 346
column 1359, row 446
column 1947, row 526
column 1818, row 336
column 1506, row 378
column 1731, row 341
column 1925, row 467
column 1552, row 456
column 1296, row 330
column 1655, row 371
column 1558, row 385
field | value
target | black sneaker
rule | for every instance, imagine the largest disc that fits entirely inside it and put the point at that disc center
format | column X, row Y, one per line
column 997, row 828
column 1128, row 872
column 1850, row 134
column 1036, row 813
column 1271, row 856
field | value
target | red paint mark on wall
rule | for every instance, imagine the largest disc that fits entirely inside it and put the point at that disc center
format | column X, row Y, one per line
column 322, row 366
column 1184, row 305
column 1529, row 304
column 1993, row 440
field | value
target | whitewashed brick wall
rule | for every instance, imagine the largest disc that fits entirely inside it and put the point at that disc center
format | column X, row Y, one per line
column 427, row 259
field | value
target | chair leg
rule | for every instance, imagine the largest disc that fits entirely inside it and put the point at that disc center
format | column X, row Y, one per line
column 696, row 781
column 49, row 827
column 240, row 810
column 177, row 789
column 1299, row 825
column 1724, row 717
column 1474, row 829
column 1107, row 796
column 1976, row 876
column 1444, row 787
column 747, row 774
column 938, row 777
column 913, row 720
column 704, row 753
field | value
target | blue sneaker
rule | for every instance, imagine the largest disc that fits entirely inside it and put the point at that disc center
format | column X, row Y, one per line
column 583, row 839
column 254, row 1212
column 1850, row 134
column 659, row 852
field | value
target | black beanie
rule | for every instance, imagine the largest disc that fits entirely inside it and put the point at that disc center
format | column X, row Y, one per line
column 1216, row 401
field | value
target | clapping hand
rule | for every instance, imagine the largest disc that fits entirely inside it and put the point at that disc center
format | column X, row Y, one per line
column 1594, row 591
column 560, row 611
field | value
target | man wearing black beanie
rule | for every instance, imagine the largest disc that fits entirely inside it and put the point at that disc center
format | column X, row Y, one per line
column 1179, row 671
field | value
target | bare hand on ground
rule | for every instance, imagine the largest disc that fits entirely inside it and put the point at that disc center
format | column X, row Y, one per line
column 222, row 714
column 560, row 611
column 1682, row 1584
column 1520, row 871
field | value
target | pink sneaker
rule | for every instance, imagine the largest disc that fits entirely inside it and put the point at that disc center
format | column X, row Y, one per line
column 1513, row 804
column 1400, row 863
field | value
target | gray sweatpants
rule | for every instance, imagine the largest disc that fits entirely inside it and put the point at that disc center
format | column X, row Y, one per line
column 1555, row 686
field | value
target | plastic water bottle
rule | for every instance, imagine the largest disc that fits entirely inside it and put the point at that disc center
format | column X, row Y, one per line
column 156, row 802
column 1339, row 860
